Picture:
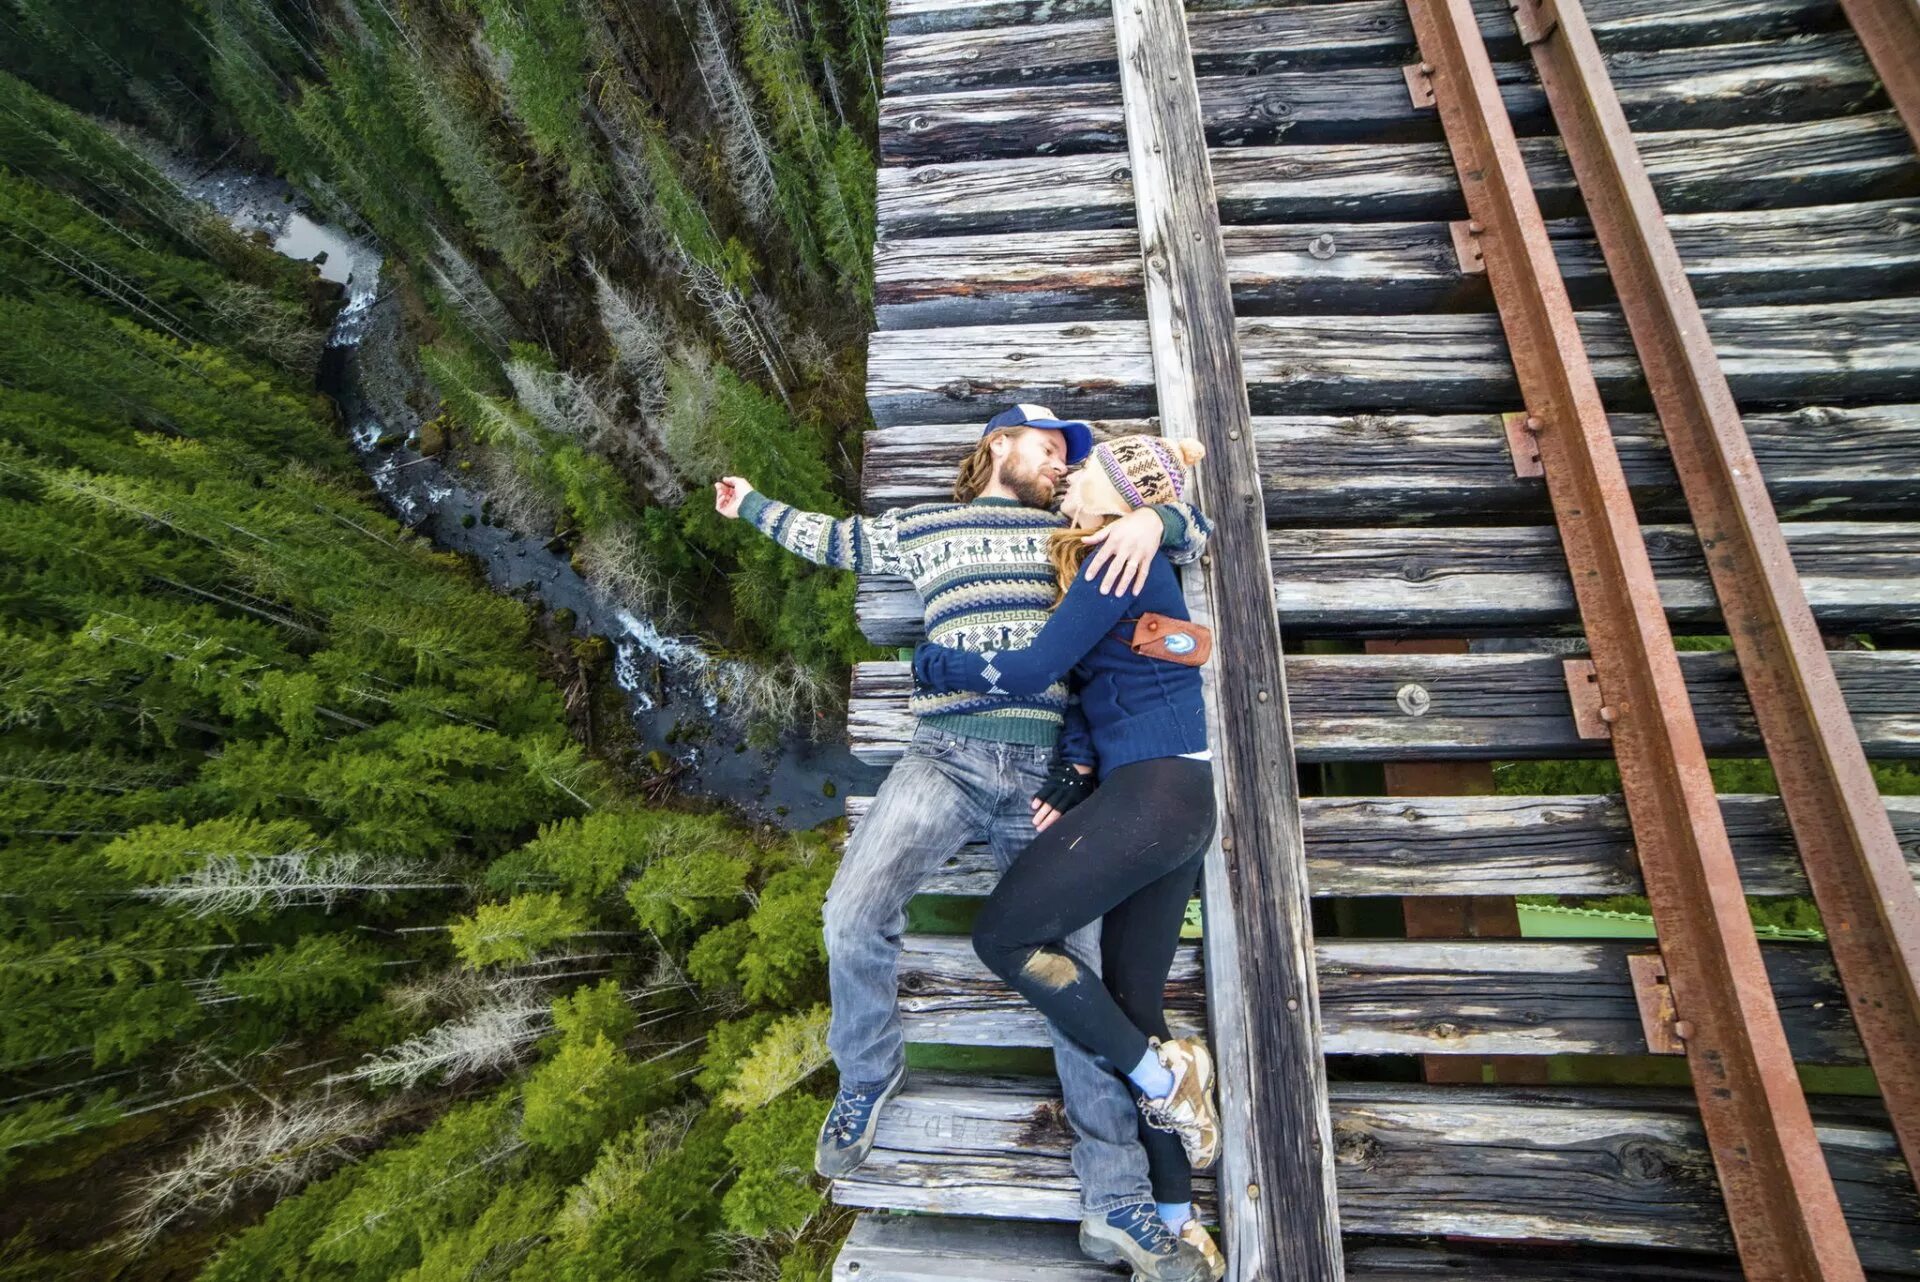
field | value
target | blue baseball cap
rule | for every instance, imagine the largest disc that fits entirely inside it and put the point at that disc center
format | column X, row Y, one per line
column 1079, row 435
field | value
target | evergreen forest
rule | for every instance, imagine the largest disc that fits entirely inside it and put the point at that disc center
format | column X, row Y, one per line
column 336, row 943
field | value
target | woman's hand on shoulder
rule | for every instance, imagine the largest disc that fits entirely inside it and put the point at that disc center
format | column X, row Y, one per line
column 1125, row 549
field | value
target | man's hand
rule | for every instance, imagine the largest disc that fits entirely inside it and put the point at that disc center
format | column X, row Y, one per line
column 1126, row 548
column 1060, row 793
column 730, row 491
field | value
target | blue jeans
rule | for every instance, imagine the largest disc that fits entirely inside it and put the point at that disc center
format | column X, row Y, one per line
column 946, row 791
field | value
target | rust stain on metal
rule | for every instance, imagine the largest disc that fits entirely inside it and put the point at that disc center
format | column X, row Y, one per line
column 1780, row 1198
column 1419, row 87
column 1523, row 440
column 1583, row 693
column 1655, row 999
column 1853, row 860
column 1466, row 247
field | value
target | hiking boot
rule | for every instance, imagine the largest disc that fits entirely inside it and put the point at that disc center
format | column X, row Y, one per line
column 1188, row 1109
column 1134, row 1236
column 1195, row 1235
column 846, row 1137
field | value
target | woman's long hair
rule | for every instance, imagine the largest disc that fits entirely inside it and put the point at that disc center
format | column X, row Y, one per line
column 1067, row 553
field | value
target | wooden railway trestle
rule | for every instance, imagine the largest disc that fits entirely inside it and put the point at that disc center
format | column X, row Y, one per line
column 1244, row 222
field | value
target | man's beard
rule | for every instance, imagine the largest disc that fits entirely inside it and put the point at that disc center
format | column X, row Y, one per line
column 1031, row 488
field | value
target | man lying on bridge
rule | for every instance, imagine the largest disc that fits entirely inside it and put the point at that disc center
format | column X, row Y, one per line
column 972, row 773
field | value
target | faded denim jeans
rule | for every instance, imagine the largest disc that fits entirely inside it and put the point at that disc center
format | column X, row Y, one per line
column 949, row 790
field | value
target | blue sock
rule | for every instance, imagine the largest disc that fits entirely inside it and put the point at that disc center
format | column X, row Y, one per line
column 1151, row 1076
column 1174, row 1214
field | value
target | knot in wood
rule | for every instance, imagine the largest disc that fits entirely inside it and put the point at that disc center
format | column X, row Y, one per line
column 1446, row 1031
column 1354, row 1147
column 1274, row 107
column 912, row 982
column 1643, row 1162
column 926, row 174
column 1415, row 570
column 917, row 124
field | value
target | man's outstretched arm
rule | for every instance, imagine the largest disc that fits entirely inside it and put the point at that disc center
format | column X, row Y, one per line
column 866, row 545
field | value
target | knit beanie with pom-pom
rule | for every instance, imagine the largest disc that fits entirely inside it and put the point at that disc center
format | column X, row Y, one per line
column 1145, row 470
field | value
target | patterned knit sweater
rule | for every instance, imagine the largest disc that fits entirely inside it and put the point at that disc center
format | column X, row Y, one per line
column 982, row 573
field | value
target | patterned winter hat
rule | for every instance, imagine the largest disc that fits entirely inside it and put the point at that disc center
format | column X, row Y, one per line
column 1146, row 470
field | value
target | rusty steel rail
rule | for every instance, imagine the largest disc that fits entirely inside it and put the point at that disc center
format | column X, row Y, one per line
column 1780, row 1199
column 1854, row 863
column 1889, row 30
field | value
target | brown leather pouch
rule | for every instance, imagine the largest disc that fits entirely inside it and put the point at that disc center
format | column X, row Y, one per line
column 1182, row 641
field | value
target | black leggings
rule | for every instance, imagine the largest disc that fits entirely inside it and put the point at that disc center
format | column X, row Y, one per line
column 1130, row 854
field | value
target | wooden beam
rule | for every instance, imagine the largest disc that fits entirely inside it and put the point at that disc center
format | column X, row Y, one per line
column 1601, row 1168
column 1865, row 351
column 1512, row 581
column 1278, row 1214
column 1455, row 999
column 1475, row 707
column 1869, row 249
column 1248, row 41
column 1391, row 469
column 1509, row 845
column 1715, row 86
column 1757, row 166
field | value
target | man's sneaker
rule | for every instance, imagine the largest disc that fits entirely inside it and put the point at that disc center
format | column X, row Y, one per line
column 846, row 1137
column 1188, row 1109
column 1195, row 1235
column 1134, row 1236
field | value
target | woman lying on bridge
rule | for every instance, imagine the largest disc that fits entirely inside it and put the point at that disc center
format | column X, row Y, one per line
column 1131, row 853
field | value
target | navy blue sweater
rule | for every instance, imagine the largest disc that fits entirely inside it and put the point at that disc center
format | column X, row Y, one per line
column 1136, row 708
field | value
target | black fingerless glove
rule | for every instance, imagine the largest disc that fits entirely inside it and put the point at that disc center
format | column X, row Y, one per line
column 1065, row 787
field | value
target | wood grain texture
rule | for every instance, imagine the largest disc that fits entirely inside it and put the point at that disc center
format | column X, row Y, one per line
column 1801, row 78
column 1623, row 1168
column 918, row 17
column 1760, row 166
column 1250, row 40
column 1848, row 352
column 1405, row 997
column 1474, row 707
column 1502, row 845
column 1278, row 1211
column 1374, row 469
column 1865, row 250
column 938, row 1248
column 1512, row 581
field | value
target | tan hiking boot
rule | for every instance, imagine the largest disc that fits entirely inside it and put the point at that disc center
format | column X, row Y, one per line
column 1195, row 1235
column 1188, row 1109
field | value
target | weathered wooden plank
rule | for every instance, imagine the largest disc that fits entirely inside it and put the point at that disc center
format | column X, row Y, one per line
column 1378, row 469
column 1502, row 845
column 1253, row 40
column 920, row 17
column 1864, row 250
column 1474, row 707
column 1801, row 78
column 1512, row 581
column 1270, row 1079
column 1406, row 997
column 1615, row 1168
column 1855, row 352
column 939, row 1248
column 1694, row 170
